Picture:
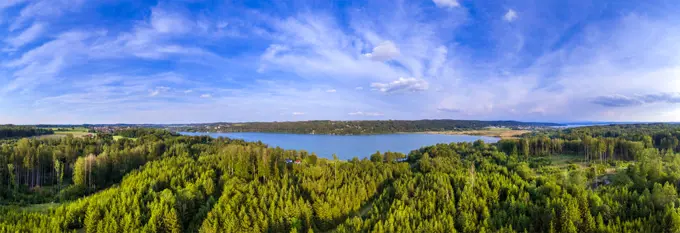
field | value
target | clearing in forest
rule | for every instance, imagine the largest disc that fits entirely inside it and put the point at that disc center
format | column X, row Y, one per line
column 62, row 132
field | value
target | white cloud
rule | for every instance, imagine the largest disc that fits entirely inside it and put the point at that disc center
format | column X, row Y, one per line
column 438, row 61
column 566, row 84
column 618, row 100
column 402, row 85
column 206, row 96
column 298, row 113
column 9, row 3
column 273, row 50
column 104, row 94
column 43, row 9
column 42, row 64
column 385, row 51
column 331, row 91
column 510, row 16
column 636, row 58
column 313, row 46
column 27, row 36
column 160, row 37
column 169, row 21
column 359, row 113
column 446, row 3
column 158, row 90
column 222, row 24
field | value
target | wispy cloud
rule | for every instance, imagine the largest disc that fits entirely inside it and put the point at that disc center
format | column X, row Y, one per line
column 446, row 3
column 10, row 3
column 634, row 100
column 402, row 85
column 27, row 36
column 312, row 46
column 510, row 16
column 372, row 114
column 43, row 9
column 168, row 21
column 158, row 90
column 514, row 63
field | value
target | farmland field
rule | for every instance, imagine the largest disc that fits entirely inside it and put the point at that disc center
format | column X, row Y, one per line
column 62, row 132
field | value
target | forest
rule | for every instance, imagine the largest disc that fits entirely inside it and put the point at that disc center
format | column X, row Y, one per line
column 12, row 131
column 590, row 179
column 357, row 127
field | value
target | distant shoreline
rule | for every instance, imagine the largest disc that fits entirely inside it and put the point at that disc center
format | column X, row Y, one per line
column 499, row 133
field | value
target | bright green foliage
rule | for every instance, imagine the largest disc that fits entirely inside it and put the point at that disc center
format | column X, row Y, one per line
column 168, row 183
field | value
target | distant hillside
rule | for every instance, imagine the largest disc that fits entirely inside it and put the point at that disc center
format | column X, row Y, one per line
column 358, row 127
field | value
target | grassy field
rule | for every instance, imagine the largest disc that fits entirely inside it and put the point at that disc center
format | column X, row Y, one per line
column 76, row 132
column 73, row 129
column 39, row 207
column 50, row 136
column 118, row 137
column 564, row 160
column 489, row 132
column 62, row 132
column 557, row 164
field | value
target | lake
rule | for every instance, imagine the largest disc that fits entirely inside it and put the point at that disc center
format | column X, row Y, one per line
column 348, row 146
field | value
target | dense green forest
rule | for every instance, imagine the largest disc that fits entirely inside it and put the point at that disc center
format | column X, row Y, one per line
column 357, row 127
column 592, row 179
column 13, row 131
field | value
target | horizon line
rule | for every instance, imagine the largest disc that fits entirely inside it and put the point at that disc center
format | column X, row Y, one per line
column 242, row 122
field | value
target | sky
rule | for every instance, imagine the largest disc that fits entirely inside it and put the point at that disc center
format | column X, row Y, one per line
column 192, row 61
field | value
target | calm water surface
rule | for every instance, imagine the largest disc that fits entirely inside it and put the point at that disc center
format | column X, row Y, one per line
column 347, row 147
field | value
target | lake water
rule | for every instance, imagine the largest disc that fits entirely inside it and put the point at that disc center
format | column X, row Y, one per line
column 347, row 147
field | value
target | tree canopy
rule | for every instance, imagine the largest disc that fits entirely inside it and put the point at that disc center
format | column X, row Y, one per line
column 12, row 131
column 568, row 181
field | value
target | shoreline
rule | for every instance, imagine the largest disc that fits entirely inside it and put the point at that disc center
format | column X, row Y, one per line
column 502, row 134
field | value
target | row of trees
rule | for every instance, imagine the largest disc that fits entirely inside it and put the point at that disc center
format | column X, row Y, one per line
column 592, row 149
column 12, row 131
column 661, row 136
column 596, row 143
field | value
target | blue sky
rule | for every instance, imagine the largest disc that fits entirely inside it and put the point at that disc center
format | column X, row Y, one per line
column 106, row 61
